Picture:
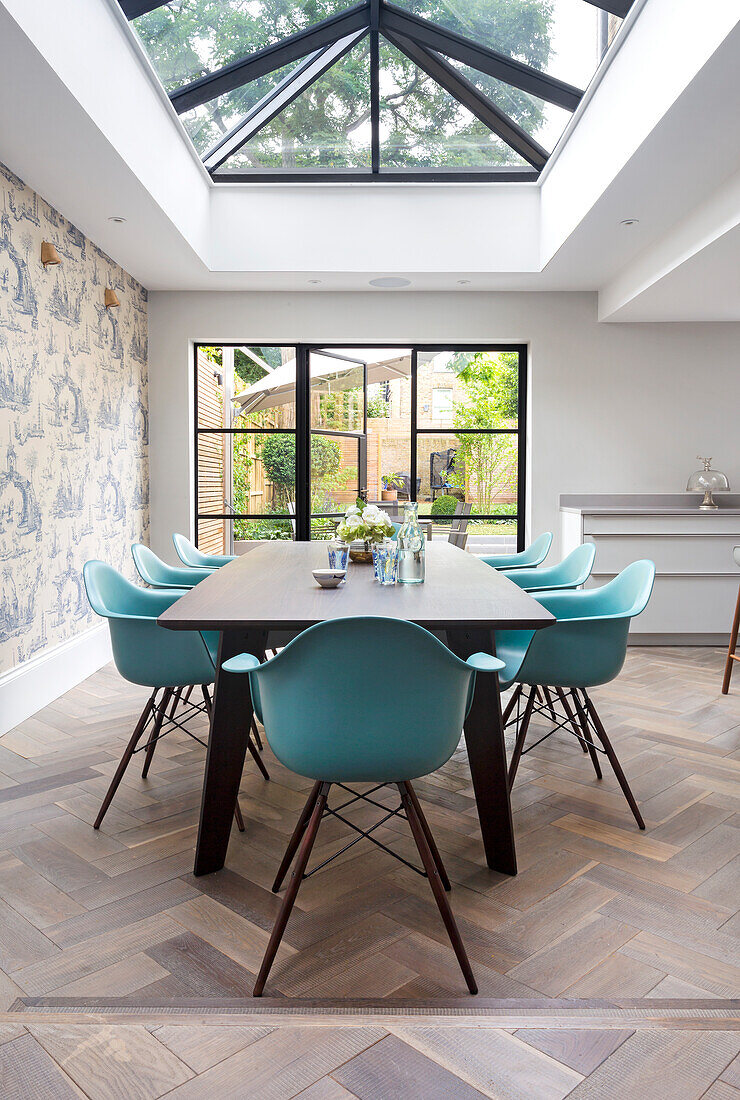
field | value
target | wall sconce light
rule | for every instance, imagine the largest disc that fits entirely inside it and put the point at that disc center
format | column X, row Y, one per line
column 49, row 254
column 111, row 298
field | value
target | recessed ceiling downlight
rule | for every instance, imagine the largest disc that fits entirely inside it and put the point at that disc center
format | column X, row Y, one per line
column 630, row 221
column 117, row 219
column 390, row 281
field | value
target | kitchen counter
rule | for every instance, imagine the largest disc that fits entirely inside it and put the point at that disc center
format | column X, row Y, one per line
column 696, row 578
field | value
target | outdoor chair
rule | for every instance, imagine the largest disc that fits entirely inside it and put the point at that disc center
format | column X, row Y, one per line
column 441, row 465
column 458, row 535
column 302, row 696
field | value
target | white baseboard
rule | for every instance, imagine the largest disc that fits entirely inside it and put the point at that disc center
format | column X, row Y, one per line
column 29, row 687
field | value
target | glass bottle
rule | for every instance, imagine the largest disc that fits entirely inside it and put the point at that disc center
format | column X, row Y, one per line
column 410, row 547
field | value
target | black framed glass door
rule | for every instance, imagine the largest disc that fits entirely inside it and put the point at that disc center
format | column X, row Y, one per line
column 287, row 437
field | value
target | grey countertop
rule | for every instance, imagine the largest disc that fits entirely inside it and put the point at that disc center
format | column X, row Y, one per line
column 648, row 504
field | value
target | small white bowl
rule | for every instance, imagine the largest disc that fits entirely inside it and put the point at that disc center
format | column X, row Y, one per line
column 329, row 578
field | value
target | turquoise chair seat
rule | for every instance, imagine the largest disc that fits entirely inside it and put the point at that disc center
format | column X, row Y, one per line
column 586, row 647
column 190, row 555
column 571, row 572
column 159, row 574
column 531, row 556
column 325, row 718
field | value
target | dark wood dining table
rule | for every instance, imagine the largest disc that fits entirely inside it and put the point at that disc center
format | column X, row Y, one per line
column 268, row 595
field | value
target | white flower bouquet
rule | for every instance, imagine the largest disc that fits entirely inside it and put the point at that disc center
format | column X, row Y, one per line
column 365, row 523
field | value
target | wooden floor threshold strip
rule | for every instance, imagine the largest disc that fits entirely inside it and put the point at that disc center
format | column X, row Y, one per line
column 695, row 1015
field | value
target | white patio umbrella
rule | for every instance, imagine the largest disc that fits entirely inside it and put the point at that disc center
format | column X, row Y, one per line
column 329, row 373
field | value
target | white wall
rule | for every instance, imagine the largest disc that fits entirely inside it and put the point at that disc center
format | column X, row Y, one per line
column 620, row 408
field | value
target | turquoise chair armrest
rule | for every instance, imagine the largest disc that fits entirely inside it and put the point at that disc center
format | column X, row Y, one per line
column 243, row 662
column 157, row 601
column 484, row 662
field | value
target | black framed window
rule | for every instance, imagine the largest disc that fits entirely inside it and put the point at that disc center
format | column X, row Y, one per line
column 287, row 437
column 409, row 89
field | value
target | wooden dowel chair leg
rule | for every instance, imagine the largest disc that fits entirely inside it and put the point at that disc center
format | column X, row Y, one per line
column 548, row 701
column 437, row 889
column 571, row 718
column 429, row 838
column 296, row 838
column 511, row 703
column 152, row 743
column 293, row 886
column 125, row 759
column 256, row 733
column 187, row 694
column 730, row 661
column 621, row 778
column 521, row 737
column 256, row 757
column 238, row 816
column 207, row 699
column 175, row 700
column 590, row 747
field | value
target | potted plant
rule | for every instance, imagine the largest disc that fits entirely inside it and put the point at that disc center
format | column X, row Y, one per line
column 391, row 484
column 363, row 525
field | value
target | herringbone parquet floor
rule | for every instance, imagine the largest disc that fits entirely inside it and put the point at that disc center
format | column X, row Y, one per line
column 599, row 912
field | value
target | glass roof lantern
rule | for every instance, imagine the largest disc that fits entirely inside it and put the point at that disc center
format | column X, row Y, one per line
column 414, row 89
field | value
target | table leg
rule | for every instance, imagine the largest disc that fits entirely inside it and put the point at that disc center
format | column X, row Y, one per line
column 227, row 744
column 484, row 737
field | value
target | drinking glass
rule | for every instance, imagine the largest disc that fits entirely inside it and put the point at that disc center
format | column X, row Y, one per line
column 385, row 557
column 338, row 554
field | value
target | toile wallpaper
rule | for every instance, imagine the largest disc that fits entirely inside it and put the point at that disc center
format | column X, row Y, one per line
column 74, row 423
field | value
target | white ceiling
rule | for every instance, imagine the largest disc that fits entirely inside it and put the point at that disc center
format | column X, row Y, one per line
column 657, row 139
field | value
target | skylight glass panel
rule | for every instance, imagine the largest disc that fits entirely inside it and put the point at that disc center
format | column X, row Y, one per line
column 209, row 122
column 544, row 122
column 326, row 128
column 423, row 126
column 187, row 39
column 559, row 37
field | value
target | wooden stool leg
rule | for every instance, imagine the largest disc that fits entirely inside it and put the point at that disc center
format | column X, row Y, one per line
column 521, row 737
column 152, row 743
column 437, row 889
column 293, row 886
column 124, row 762
column 295, row 839
column 732, row 647
column 238, row 817
column 621, row 778
column 429, row 838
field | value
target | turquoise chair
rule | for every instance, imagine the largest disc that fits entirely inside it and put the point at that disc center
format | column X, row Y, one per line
column 585, row 648
column 531, row 556
column 159, row 574
column 571, row 572
column 305, row 698
column 189, row 554
column 167, row 661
